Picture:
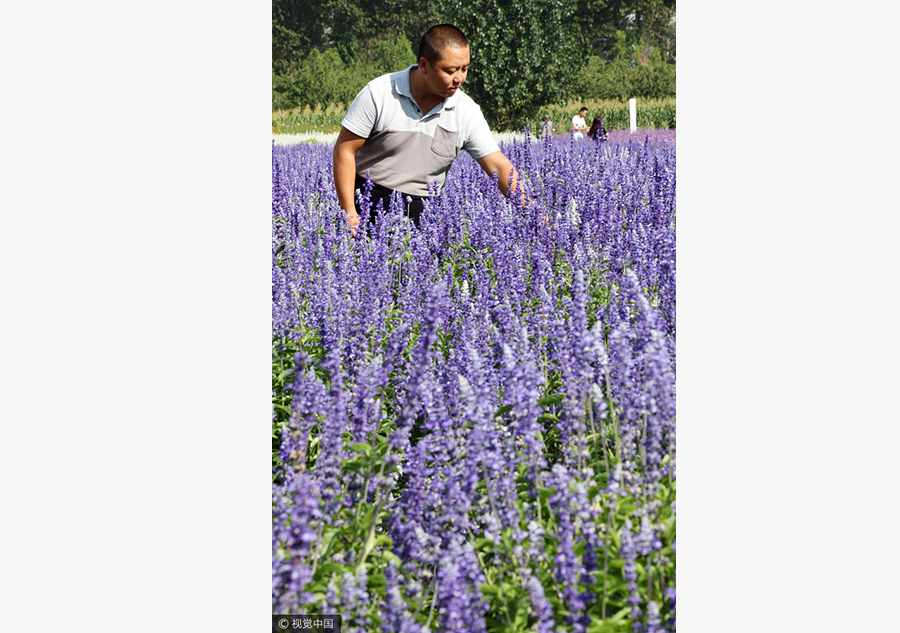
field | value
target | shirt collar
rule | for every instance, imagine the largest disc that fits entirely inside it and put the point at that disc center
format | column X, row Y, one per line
column 401, row 86
column 401, row 82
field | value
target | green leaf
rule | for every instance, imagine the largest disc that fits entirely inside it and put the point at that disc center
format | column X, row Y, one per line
column 484, row 543
column 366, row 521
column 329, row 568
column 362, row 447
column 490, row 590
column 614, row 624
column 372, row 543
column 503, row 410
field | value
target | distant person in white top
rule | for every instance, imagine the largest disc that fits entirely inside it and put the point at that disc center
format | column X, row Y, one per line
column 579, row 127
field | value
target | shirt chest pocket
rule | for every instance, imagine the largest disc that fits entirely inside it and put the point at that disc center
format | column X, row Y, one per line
column 444, row 143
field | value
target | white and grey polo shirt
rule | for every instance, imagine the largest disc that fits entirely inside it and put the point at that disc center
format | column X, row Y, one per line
column 406, row 149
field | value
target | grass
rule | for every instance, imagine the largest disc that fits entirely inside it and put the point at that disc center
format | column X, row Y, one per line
column 309, row 121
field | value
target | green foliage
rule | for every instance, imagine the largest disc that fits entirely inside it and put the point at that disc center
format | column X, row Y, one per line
column 358, row 25
column 320, row 75
column 598, row 21
column 324, row 78
column 653, row 26
column 298, row 26
column 524, row 55
column 304, row 120
column 630, row 69
column 352, row 27
column 391, row 55
column 623, row 80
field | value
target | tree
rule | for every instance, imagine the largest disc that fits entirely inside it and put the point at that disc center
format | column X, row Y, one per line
column 598, row 21
column 298, row 26
column 357, row 25
column 525, row 55
column 652, row 24
column 647, row 22
column 391, row 55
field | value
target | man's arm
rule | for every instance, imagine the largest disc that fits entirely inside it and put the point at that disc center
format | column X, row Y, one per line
column 345, row 148
column 496, row 161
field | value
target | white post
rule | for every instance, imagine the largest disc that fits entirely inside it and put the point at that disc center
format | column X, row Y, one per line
column 632, row 105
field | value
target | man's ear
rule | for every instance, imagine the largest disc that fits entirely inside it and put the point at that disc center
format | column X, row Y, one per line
column 423, row 65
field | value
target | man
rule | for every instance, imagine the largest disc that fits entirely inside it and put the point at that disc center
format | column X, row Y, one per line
column 579, row 127
column 406, row 128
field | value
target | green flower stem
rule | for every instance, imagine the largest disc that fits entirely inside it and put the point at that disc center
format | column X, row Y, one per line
column 433, row 601
column 487, row 487
column 425, row 596
column 370, row 538
column 615, row 418
column 642, row 447
column 319, row 551
column 609, row 511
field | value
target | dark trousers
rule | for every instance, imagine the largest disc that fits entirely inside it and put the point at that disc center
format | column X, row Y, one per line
column 413, row 208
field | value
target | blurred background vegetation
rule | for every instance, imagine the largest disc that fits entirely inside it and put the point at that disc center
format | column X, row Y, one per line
column 529, row 57
column 651, row 113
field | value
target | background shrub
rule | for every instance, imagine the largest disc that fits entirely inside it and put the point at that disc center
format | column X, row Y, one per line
column 322, row 79
column 527, row 54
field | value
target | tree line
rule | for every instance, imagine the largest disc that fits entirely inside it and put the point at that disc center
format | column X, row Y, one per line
column 525, row 53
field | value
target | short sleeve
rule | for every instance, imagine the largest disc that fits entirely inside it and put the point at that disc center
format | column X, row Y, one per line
column 480, row 141
column 360, row 117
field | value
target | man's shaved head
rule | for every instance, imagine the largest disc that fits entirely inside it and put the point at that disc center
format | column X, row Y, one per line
column 438, row 38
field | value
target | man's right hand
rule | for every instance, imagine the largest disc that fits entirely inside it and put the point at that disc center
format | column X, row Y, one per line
column 353, row 221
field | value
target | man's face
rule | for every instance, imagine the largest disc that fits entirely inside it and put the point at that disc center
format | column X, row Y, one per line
column 449, row 72
column 582, row 113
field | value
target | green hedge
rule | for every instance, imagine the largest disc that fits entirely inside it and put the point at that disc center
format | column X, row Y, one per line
column 622, row 80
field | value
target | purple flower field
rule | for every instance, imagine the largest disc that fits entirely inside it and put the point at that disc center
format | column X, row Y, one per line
column 474, row 421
